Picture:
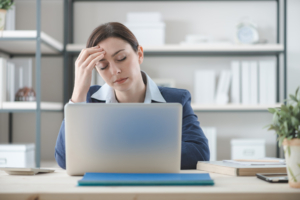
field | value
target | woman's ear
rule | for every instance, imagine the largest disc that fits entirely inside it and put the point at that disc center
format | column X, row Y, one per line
column 140, row 54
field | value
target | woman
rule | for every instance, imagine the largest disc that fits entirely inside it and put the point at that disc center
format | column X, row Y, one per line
column 115, row 53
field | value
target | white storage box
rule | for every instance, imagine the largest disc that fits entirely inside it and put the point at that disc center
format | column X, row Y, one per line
column 17, row 155
column 247, row 148
column 211, row 135
column 148, row 33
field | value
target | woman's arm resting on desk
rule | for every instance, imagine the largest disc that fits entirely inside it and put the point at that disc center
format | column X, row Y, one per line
column 194, row 143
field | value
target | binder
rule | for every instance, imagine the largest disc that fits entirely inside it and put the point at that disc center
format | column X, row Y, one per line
column 144, row 179
column 236, row 82
column 246, row 82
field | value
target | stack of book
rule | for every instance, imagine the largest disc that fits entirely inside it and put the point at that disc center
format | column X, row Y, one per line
column 239, row 168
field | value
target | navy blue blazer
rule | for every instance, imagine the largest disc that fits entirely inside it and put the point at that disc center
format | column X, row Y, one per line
column 194, row 143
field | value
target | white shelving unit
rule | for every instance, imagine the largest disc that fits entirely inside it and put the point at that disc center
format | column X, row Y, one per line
column 169, row 48
column 24, row 42
column 11, row 106
column 31, row 43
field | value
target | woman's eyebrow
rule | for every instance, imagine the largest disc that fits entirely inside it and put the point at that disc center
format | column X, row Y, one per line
column 113, row 54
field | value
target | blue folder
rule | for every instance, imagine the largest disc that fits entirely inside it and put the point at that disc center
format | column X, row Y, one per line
column 143, row 179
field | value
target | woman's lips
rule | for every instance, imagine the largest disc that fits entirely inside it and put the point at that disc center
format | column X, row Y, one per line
column 121, row 81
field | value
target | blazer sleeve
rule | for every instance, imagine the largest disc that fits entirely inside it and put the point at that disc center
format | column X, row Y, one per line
column 60, row 155
column 194, row 143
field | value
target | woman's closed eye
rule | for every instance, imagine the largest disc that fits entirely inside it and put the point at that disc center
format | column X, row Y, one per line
column 107, row 65
column 122, row 59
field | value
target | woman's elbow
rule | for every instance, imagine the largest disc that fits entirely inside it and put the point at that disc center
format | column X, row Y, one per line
column 60, row 161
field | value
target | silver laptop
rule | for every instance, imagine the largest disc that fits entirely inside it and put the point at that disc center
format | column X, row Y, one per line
column 123, row 138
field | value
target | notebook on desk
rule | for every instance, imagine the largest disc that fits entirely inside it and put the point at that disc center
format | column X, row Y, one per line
column 144, row 179
column 233, row 169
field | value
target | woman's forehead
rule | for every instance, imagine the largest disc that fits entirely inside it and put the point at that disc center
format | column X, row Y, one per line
column 113, row 44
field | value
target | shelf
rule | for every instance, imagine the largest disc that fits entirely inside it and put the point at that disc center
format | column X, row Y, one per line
column 30, row 106
column 24, row 42
column 206, row 49
column 233, row 107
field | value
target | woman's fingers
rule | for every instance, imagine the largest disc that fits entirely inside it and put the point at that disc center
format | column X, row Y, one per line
column 86, row 52
column 94, row 61
column 90, row 58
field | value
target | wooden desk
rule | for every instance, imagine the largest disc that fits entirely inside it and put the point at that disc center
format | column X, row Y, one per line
column 59, row 185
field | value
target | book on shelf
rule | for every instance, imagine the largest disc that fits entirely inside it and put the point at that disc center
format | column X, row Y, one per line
column 267, row 82
column 234, row 169
column 10, row 86
column 245, row 82
column 2, row 80
column 253, row 82
column 223, row 87
column 204, row 86
column 236, row 82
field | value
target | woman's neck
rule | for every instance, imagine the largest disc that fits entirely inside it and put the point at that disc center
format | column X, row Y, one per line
column 134, row 95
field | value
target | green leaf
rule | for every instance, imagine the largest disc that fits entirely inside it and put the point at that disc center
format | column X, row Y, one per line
column 296, row 110
column 284, row 108
column 272, row 110
column 295, row 122
column 275, row 118
column 292, row 174
column 266, row 126
column 281, row 140
column 293, row 98
column 296, row 93
column 298, row 165
column 286, row 130
column 290, row 137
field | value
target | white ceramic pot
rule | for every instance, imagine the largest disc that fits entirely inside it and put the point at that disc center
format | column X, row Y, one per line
column 2, row 19
column 292, row 157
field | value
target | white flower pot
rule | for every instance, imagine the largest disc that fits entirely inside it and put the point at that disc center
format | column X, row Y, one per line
column 2, row 19
column 292, row 157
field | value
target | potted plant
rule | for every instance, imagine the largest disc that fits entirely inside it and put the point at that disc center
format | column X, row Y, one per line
column 4, row 6
column 286, row 123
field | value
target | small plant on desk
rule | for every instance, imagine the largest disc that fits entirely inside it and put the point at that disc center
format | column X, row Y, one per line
column 286, row 123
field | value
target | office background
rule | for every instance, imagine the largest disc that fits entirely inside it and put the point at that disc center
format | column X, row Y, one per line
column 181, row 18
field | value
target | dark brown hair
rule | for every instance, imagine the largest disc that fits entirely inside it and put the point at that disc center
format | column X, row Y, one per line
column 112, row 29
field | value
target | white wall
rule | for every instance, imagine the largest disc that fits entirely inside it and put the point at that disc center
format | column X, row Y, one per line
column 215, row 18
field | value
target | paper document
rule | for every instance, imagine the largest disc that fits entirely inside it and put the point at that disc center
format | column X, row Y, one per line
column 261, row 161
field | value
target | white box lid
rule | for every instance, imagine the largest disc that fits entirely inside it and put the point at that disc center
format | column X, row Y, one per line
column 145, row 25
column 241, row 142
column 144, row 17
column 16, row 147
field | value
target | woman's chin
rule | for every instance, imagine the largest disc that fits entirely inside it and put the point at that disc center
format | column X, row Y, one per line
column 122, row 86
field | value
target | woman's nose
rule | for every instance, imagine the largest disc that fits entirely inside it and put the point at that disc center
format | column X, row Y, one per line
column 115, row 69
